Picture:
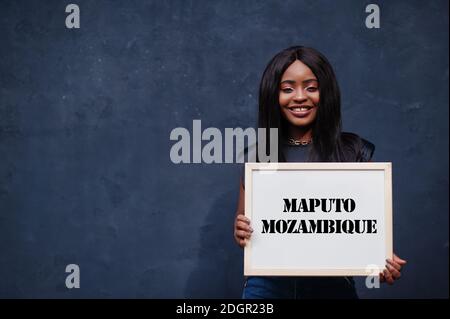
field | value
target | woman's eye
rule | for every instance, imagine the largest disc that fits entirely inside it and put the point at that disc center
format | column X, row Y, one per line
column 286, row 90
column 311, row 89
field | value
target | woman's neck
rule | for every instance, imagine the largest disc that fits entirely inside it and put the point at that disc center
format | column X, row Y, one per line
column 300, row 133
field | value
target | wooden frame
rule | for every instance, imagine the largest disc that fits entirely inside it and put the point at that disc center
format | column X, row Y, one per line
column 255, row 251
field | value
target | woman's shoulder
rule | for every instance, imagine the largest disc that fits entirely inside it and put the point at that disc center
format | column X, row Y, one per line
column 362, row 148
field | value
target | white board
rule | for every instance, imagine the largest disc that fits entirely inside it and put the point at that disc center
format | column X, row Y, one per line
column 315, row 250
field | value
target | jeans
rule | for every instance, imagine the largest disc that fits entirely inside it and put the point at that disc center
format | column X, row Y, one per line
column 299, row 288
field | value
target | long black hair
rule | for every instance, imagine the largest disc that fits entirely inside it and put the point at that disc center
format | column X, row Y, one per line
column 329, row 143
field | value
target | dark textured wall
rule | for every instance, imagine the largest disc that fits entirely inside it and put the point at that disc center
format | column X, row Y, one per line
column 85, row 118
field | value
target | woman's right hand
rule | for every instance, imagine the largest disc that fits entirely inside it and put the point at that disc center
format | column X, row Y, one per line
column 242, row 229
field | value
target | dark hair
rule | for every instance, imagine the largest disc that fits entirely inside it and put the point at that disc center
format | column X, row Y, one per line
column 329, row 144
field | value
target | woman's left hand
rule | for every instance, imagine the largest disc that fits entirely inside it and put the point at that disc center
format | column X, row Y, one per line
column 393, row 270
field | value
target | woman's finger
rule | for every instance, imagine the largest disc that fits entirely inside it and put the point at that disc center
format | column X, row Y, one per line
column 388, row 277
column 394, row 272
column 399, row 260
column 382, row 278
column 242, row 218
column 394, row 264
column 243, row 234
column 243, row 226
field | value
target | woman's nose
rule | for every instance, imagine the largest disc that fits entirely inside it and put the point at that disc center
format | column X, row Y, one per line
column 299, row 96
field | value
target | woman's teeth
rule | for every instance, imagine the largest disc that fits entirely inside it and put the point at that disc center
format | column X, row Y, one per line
column 298, row 109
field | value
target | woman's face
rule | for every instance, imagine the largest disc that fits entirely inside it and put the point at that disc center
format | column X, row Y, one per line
column 299, row 95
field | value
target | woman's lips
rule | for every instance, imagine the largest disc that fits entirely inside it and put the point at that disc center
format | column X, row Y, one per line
column 300, row 112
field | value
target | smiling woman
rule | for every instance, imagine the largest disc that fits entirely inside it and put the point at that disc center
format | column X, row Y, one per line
column 299, row 95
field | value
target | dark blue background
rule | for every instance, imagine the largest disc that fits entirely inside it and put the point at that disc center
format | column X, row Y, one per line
column 85, row 118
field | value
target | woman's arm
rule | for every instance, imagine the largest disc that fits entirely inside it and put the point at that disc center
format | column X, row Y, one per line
column 242, row 229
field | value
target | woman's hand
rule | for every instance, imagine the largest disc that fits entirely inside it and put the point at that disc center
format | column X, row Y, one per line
column 242, row 229
column 393, row 270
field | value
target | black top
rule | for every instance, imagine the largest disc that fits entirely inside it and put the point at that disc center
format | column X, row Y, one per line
column 292, row 153
column 299, row 153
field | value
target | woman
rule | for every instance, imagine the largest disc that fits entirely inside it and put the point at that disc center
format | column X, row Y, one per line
column 300, row 96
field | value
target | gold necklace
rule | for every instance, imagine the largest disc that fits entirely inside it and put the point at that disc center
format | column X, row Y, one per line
column 295, row 142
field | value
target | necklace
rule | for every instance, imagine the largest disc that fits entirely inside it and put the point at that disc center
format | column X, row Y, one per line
column 295, row 142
